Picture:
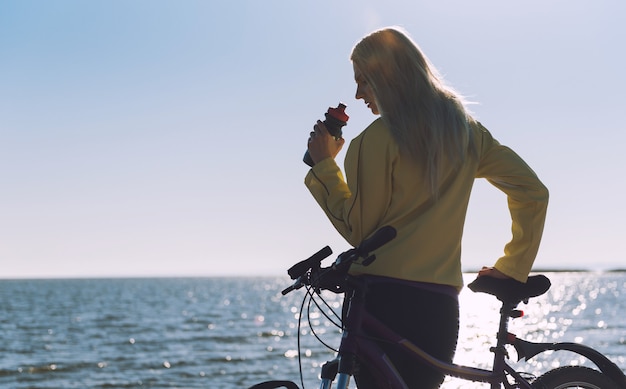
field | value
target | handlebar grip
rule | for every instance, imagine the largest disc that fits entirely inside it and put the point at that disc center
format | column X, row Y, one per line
column 380, row 237
column 291, row 288
column 301, row 267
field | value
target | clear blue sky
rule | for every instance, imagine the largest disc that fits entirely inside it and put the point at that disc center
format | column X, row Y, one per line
column 165, row 137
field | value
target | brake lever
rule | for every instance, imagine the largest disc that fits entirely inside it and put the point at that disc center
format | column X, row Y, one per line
column 328, row 278
column 345, row 260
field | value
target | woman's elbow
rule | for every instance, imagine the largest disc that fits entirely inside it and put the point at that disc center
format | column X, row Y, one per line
column 542, row 194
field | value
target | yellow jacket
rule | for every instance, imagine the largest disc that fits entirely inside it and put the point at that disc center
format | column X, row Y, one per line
column 383, row 188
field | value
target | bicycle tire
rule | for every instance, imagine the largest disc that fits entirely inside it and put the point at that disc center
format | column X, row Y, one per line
column 275, row 384
column 574, row 377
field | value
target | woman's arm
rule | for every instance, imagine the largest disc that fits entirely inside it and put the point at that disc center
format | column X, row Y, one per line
column 356, row 206
column 527, row 200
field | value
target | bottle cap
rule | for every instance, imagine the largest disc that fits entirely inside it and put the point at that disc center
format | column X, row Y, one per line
column 339, row 112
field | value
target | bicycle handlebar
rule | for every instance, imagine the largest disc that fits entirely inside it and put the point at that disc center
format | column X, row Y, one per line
column 314, row 260
column 301, row 271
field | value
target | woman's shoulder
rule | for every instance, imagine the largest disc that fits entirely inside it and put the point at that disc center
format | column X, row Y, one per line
column 377, row 129
column 482, row 136
column 375, row 139
column 378, row 125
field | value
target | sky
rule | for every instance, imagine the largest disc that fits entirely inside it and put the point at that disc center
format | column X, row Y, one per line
column 165, row 138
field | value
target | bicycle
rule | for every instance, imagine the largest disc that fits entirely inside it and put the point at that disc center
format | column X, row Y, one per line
column 509, row 292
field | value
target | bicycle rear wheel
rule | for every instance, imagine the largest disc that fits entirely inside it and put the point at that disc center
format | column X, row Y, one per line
column 574, row 377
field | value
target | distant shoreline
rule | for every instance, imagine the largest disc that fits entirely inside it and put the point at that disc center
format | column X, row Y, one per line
column 555, row 270
column 578, row 271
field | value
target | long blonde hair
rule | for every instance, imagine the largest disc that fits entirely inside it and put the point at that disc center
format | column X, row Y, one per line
column 427, row 119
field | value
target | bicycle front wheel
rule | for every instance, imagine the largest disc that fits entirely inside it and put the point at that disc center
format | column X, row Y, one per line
column 574, row 377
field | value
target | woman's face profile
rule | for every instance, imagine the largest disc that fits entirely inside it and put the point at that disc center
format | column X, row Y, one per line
column 364, row 91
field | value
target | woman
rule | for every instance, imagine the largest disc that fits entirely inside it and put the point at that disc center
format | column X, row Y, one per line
column 413, row 168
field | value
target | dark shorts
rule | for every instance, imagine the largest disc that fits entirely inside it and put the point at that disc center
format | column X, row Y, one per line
column 427, row 318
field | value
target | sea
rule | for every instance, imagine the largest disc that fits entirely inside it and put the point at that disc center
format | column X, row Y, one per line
column 236, row 332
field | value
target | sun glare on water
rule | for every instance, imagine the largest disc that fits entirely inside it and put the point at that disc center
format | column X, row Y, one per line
column 571, row 311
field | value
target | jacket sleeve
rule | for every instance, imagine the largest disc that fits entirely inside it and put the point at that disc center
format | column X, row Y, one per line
column 527, row 199
column 356, row 206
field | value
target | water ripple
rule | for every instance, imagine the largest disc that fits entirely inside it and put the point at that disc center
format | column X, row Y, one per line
column 234, row 332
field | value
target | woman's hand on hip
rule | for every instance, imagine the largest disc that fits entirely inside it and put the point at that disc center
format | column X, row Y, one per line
column 492, row 272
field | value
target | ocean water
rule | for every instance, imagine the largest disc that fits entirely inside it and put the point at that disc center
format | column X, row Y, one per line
column 235, row 332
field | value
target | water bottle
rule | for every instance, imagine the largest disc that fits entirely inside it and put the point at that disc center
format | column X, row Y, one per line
column 336, row 118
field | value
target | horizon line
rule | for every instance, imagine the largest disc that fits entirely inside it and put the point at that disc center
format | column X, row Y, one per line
column 235, row 275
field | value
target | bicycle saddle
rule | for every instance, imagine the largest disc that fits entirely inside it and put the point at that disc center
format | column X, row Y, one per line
column 510, row 290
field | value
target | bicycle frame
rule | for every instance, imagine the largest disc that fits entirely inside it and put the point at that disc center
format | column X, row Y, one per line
column 358, row 321
column 362, row 332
